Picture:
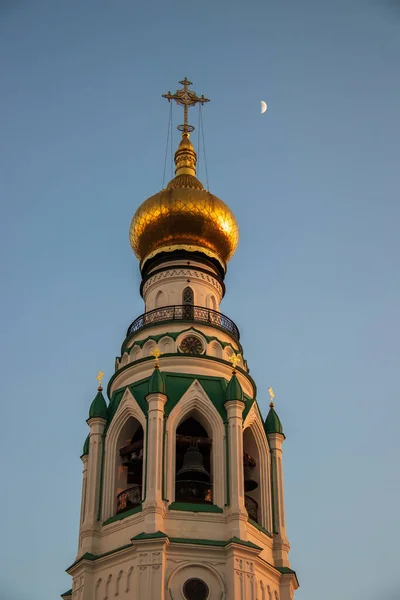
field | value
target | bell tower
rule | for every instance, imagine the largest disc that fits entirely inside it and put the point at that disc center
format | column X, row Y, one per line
column 182, row 492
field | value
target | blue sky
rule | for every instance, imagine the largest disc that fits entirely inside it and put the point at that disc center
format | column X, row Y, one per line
column 314, row 285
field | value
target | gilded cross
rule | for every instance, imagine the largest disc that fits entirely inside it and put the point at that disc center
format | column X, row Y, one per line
column 99, row 378
column 156, row 353
column 235, row 359
column 185, row 98
column 271, row 395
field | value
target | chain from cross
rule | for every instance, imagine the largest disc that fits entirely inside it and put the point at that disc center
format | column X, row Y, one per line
column 156, row 353
column 185, row 98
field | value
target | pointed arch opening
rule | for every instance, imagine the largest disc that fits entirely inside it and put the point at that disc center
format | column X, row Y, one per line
column 129, row 466
column 193, row 463
column 252, row 475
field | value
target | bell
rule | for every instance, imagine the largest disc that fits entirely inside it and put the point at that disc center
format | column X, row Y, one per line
column 250, row 484
column 192, row 467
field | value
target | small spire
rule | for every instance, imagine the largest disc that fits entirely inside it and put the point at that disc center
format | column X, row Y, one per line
column 156, row 353
column 99, row 378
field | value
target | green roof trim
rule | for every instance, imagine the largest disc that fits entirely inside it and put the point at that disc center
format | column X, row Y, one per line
column 92, row 557
column 174, row 354
column 156, row 382
column 173, row 335
column 260, row 528
column 98, row 408
column 187, row 506
column 124, row 515
column 273, row 423
column 66, row 594
column 198, row 542
column 176, row 384
column 234, row 390
column 85, row 450
column 236, row 540
column 149, row 536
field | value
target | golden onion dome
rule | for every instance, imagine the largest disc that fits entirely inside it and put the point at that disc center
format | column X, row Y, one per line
column 184, row 216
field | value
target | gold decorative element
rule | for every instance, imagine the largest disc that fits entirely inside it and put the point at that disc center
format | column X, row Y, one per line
column 234, row 359
column 184, row 215
column 272, row 396
column 156, row 353
column 99, row 378
column 185, row 98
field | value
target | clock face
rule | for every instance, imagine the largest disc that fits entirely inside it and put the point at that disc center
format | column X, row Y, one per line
column 191, row 345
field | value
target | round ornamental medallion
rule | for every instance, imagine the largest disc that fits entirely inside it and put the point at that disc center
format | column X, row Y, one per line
column 195, row 589
column 191, row 345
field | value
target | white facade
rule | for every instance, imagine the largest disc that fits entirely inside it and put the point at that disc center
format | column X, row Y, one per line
column 152, row 549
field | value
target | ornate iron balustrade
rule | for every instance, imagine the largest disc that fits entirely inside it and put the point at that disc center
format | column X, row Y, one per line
column 193, row 491
column 184, row 312
column 129, row 498
column 251, row 507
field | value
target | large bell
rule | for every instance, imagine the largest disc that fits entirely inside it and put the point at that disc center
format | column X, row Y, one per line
column 250, row 484
column 192, row 467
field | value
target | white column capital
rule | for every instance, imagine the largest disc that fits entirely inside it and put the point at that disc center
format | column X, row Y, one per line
column 97, row 425
column 234, row 408
column 276, row 441
column 156, row 401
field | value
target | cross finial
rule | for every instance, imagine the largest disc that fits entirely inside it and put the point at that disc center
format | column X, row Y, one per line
column 234, row 359
column 156, row 353
column 272, row 396
column 99, row 378
column 185, row 98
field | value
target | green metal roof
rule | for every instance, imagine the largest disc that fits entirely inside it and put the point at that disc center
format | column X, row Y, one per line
column 156, row 382
column 86, row 446
column 234, row 389
column 273, row 423
column 98, row 408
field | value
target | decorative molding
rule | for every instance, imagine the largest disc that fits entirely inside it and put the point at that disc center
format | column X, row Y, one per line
column 182, row 273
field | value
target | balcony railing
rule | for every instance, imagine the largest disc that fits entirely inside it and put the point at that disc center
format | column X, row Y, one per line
column 129, row 498
column 184, row 312
column 251, row 507
column 193, row 491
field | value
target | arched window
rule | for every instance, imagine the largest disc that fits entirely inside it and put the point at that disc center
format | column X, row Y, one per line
column 188, row 301
column 252, row 478
column 160, row 299
column 129, row 474
column 193, row 479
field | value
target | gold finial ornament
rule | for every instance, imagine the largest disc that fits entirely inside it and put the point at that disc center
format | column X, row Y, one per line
column 185, row 98
column 272, row 396
column 234, row 360
column 99, row 378
column 156, row 353
column 184, row 216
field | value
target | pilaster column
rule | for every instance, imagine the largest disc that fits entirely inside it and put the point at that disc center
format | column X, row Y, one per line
column 281, row 544
column 237, row 515
column 97, row 425
column 153, row 506
column 85, row 460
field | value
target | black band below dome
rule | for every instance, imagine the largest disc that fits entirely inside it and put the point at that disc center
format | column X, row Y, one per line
column 162, row 259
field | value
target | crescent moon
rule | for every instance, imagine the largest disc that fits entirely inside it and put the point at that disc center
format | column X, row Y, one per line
column 263, row 106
